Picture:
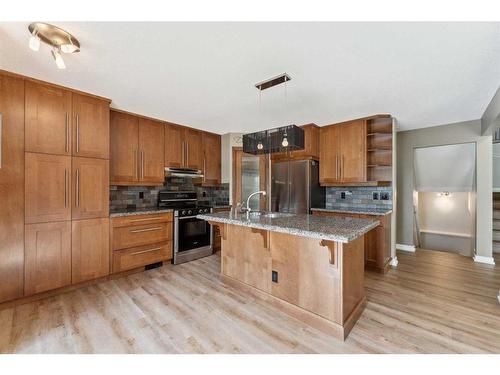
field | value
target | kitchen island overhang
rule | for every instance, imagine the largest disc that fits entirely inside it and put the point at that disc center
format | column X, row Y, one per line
column 312, row 267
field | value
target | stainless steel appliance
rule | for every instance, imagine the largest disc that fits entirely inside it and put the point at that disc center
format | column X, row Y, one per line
column 192, row 236
column 183, row 173
column 295, row 186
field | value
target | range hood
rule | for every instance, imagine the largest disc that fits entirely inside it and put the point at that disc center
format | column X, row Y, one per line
column 285, row 138
column 183, row 172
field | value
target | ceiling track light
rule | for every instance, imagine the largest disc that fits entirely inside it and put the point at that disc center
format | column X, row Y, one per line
column 58, row 39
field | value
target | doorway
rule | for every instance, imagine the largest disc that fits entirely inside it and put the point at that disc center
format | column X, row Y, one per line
column 249, row 175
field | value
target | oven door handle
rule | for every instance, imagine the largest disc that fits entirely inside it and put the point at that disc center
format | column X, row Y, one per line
column 189, row 217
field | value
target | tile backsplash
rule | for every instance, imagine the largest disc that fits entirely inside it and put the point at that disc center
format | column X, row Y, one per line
column 360, row 196
column 122, row 197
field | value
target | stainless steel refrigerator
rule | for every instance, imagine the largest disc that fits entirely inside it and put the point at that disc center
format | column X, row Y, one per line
column 295, row 186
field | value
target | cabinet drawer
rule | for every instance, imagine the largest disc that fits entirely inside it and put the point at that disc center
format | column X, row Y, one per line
column 140, row 256
column 137, row 235
column 125, row 221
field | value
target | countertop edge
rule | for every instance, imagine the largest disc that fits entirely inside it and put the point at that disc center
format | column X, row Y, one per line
column 140, row 212
column 292, row 231
column 349, row 211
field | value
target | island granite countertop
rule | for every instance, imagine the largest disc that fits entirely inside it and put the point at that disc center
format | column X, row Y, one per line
column 339, row 229
column 356, row 210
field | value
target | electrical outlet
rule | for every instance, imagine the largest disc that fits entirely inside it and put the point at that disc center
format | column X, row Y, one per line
column 141, row 195
column 384, row 196
column 342, row 195
column 274, row 276
column 375, row 195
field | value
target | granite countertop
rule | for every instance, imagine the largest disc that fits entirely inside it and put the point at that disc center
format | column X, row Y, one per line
column 340, row 229
column 356, row 210
column 138, row 211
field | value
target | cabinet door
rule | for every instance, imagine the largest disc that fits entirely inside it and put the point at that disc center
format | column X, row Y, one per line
column 90, row 127
column 194, row 150
column 211, row 159
column 11, row 187
column 90, row 188
column 124, row 130
column 47, row 188
column 151, row 151
column 47, row 122
column 329, row 159
column 47, row 256
column 353, row 159
column 174, row 146
column 90, row 249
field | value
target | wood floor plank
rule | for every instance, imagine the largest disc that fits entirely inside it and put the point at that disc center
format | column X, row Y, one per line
column 433, row 302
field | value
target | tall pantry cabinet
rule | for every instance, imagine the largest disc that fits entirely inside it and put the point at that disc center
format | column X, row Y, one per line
column 54, row 183
column 66, row 187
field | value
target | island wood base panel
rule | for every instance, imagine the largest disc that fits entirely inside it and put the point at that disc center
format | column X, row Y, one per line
column 319, row 282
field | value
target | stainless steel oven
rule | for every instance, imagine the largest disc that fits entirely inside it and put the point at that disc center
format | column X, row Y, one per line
column 192, row 236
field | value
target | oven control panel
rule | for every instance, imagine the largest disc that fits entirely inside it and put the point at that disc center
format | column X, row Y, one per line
column 192, row 211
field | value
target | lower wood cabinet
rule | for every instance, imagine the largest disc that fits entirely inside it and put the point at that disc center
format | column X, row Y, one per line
column 47, row 256
column 89, row 249
column 139, row 240
column 377, row 241
column 216, row 238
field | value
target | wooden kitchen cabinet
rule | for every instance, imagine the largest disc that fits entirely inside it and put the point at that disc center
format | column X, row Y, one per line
column 47, row 188
column 343, row 153
column 90, row 126
column 174, row 146
column 216, row 237
column 183, row 147
column 377, row 246
column 311, row 146
column 11, row 187
column 152, row 148
column 211, row 159
column 89, row 249
column 137, row 150
column 47, row 256
column 47, row 119
column 124, row 130
column 90, row 188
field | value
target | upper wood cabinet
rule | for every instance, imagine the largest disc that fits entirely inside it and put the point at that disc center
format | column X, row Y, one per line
column 174, row 146
column 90, row 188
column 183, row 147
column 151, row 148
column 47, row 188
column 89, row 249
column 47, row 256
column 11, row 187
column 47, row 121
column 90, row 126
column 211, row 159
column 124, row 130
column 311, row 146
column 343, row 153
column 137, row 150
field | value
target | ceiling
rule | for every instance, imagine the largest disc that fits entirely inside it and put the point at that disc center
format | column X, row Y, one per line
column 203, row 74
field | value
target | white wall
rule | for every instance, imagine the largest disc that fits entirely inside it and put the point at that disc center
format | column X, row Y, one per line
column 496, row 167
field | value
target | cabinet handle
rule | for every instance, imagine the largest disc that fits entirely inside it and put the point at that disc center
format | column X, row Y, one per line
column 146, row 230
column 77, row 133
column 342, row 167
column 77, row 193
column 147, row 219
column 187, row 154
column 204, row 168
column 66, row 124
column 1, row 139
column 183, row 153
column 136, row 171
column 146, row 251
column 66, row 188
column 142, row 164
column 336, row 167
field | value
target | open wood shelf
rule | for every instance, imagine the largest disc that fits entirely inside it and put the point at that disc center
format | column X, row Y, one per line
column 379, row 150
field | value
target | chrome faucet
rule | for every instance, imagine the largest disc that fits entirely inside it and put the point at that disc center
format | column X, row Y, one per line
column 248, row 209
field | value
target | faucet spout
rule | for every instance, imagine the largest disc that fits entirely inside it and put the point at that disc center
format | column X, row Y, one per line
column 263, row 192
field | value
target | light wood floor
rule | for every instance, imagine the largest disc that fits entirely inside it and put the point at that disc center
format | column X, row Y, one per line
column 432, row 303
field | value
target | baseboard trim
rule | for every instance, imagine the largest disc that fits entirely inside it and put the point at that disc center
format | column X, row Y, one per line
column 403, row 247
column 482, row 259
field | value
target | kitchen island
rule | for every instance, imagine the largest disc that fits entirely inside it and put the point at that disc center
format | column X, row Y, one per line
column 312, row 267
